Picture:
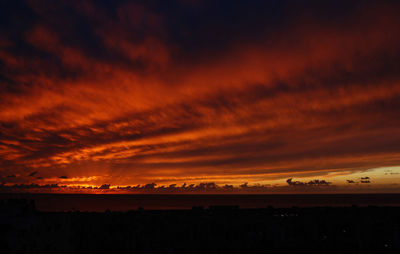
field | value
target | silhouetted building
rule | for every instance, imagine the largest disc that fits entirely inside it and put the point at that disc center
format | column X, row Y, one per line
column 219, row 229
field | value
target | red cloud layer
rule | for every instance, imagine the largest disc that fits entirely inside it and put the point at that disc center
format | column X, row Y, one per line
column 310, row 99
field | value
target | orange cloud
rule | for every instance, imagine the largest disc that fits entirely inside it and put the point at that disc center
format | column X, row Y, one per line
column 132, row 94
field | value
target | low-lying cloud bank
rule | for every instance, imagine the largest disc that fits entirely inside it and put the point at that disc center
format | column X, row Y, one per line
column 314, row 186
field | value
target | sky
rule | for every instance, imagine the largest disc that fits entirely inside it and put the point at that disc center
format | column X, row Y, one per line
column 285, row 94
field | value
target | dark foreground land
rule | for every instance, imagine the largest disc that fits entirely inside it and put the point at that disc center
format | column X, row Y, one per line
column 217, row 229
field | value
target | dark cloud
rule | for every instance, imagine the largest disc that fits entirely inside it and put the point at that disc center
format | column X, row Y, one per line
column 316, row 182
column 33, row 173
column 104, row 187
column 16, row 187
column 203, row 187
column 390, row 172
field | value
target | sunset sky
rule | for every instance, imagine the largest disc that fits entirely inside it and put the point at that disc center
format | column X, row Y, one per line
column 171, row 92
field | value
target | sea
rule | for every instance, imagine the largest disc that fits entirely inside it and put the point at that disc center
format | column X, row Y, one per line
column 125, row 202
